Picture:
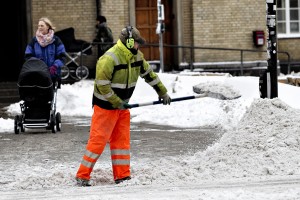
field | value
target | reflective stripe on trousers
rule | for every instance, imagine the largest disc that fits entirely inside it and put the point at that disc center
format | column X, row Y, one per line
column 111, row 126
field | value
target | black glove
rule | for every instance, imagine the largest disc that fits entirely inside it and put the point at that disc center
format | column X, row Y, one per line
column 166, row 99
column 124, row 105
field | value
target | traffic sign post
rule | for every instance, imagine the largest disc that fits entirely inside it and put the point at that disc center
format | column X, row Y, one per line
column 272, row 84
column 159, row 30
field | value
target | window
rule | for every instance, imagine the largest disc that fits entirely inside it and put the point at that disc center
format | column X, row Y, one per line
column 288, row 18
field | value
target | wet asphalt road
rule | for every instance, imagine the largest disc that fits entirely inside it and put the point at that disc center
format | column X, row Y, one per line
column 68, row 145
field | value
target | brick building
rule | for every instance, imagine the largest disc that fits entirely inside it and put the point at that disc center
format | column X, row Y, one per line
column 219, row 24
column 199, row 23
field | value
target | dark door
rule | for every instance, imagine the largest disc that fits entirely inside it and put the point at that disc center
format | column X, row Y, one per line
column 13, row 40
column 146, row 21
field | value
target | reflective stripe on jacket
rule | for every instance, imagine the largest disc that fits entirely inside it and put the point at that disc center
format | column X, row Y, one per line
column 117, row 72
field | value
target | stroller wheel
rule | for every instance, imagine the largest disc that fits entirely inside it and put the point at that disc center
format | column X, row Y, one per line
column 53, row 128
column 82, row 72
column 22, row 129
column 16, row 127
column 21, row 124
column 52, row 123
column 58, row 121
column 65, row 72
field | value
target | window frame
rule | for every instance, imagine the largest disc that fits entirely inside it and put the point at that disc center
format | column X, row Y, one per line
column 287, row 21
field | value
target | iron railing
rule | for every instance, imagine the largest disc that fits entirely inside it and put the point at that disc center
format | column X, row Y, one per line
column 242, row 51
column 193, row 48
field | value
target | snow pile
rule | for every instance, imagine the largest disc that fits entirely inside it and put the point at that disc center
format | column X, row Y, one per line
column 266, row 142
column 6, row 124
column 44, row 176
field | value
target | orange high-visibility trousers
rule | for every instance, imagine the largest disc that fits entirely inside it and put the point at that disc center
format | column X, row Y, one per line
column 111, row 126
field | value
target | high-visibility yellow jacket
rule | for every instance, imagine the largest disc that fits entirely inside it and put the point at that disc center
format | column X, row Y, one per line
column 117, row 72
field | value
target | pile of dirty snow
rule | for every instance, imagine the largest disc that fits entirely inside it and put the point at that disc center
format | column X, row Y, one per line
column 266, row 142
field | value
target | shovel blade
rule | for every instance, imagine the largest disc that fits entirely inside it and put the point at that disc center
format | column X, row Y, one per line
column 216, row 90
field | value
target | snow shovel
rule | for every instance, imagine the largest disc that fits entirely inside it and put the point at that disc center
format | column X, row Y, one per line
column 212, row 90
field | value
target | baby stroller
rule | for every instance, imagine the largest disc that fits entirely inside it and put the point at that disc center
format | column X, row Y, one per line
column 75, row 49
column 38, row 98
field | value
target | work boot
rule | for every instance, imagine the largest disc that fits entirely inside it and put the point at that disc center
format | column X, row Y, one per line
column 117, row 181
column 83, row 182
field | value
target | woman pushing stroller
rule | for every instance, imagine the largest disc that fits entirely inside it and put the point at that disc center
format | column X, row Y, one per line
column 47, row 47
column 39, row 80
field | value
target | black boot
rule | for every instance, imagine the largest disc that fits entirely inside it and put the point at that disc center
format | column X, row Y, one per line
column 83, row 182
column 117, row 181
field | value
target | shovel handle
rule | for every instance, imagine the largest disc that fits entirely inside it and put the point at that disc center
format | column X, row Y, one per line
column 173, row 100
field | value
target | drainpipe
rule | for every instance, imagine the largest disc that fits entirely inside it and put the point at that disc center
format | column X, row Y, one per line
column 98, row 7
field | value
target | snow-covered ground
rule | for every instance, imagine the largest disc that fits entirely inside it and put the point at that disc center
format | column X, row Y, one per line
column 258, row 156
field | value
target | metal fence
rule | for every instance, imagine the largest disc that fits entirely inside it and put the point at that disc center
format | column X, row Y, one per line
column 241, row 61
column 192, row 64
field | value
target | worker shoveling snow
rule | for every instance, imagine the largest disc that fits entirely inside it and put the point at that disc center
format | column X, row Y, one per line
column 216, row 90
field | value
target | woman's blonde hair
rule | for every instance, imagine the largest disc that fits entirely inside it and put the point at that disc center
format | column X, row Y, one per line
column 48, row 22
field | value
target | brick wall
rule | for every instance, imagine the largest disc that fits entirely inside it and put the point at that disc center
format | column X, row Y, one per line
column 227, row 24
column 187, row 14
column 290, row 45
column 79, row 14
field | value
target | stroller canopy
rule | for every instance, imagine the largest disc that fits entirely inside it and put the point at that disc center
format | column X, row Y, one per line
column 72, row 44
column 35, row 83
column 35, row 72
